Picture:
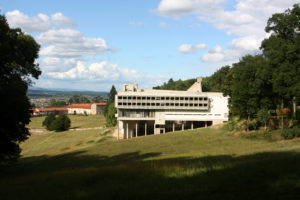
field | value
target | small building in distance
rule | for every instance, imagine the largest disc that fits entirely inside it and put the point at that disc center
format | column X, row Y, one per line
column 47, row 111
column 86, row 108
column 146, row 111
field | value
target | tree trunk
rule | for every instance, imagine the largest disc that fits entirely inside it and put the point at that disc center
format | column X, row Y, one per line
column 294, row 107
column 248, row 123
column 282, row 114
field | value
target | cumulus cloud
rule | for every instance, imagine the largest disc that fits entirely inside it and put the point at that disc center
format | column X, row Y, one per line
column 246, row 20
column 61, row 20
column 190, row 48
column 103, row 72
column 70, row 43
column 38, row 23
column 179, row 8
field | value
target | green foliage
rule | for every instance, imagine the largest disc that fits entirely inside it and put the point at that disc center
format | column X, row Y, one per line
column 264, row 116
column 60, row 123
column 48, row 120
column 55, row 103
column 111, row 120
column 176, row 85
column 111, row 99
column 18, row 52
column 282, row 49
column 290, row 133
column 254, row 124
column 78, row 99
column 98, row 99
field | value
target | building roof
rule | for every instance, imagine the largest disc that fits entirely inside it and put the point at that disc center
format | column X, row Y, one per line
column 85, row 105
column 80, row 105
column 101, row 104
column 50, row 109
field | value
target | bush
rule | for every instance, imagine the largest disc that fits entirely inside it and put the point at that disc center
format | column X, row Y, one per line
column 61, row 123
column 290, row 133
column 48, row 120
column 254, row 125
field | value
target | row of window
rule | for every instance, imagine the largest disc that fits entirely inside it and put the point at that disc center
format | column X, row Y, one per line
column 163, row 104
column 162, row 98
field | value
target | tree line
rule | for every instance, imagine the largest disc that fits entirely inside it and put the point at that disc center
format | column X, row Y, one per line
column 265, row 84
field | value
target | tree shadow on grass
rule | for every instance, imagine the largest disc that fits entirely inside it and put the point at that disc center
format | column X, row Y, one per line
column 270, row 175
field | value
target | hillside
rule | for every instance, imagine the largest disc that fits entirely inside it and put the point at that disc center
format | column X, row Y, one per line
column 206, row 163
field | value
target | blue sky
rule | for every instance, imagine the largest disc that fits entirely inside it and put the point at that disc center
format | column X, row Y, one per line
column 90, row 45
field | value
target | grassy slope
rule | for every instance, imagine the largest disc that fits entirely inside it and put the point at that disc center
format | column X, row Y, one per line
column 77, row 121
column 205, row 163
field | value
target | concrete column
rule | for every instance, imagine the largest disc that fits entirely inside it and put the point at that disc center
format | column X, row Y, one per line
column 136, row 129
column 145, row 128
column 192, row 126
column 205, row 124
column 173, row 126
column 127, row 130
column 182, row 126
column 118, row 130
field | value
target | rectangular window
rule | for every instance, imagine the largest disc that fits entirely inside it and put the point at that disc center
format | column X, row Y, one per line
column 119, row 97
column 181, row 104
column 191, row 98
column 196, row 98
column 129, row 97
column 143, row 98
column 167, row 104
column 176, row 98
column 186, row 98
column 148, row 98
column 133, row 97
column 172, row 98
column 152, row 98
column 157, row 98
column 167, row 98
column 162, row 98
column 205, row 98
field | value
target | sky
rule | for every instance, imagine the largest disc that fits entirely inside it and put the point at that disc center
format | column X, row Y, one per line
column 94, row 44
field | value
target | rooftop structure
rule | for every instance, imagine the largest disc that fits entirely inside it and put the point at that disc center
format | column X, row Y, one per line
column 146, row 111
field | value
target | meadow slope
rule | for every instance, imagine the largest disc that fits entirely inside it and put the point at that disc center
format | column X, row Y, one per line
column 205, row 163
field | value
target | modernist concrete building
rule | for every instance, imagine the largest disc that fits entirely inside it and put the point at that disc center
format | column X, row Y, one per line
column 145, row 111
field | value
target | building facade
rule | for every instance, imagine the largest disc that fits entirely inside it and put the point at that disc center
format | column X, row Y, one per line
column 86, row 108
column 145, row 111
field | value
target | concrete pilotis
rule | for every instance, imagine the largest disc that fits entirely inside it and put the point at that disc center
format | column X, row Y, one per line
column 173, row 126
column 145, row 128
column 182, row 126
column 118, row 131
column 136, row 129
column 192, row 125
column 205, row 124
column 127, row 130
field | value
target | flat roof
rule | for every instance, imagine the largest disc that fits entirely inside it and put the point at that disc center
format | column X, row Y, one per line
column 149, row 92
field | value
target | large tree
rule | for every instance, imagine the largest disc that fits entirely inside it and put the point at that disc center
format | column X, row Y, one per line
column 282, row 49
column 18, row 52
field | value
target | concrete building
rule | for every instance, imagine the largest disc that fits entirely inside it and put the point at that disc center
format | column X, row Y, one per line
column 86, row 108
column 145, row 111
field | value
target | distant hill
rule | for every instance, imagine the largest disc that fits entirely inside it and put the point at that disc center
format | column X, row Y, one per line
column 34, row 92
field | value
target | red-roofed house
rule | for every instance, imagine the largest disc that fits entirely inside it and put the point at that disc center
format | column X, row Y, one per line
column 86, row 108
column 47, row 111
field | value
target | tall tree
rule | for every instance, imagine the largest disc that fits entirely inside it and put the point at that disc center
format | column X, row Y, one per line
column 111, row 99
column 18, row 52
column 282, row 49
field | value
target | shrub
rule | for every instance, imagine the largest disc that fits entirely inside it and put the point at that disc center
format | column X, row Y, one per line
column 254, row 125
column 48, row 120
column 61, row 123
column 290, row 133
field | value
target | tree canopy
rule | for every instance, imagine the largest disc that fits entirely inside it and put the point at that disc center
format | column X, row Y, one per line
column 18, row 52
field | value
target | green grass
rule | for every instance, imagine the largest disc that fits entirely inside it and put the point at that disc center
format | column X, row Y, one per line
column 199, row 164
column 77, row 121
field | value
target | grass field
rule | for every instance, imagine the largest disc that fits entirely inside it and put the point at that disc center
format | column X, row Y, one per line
column 77, row 121
column 197, row 164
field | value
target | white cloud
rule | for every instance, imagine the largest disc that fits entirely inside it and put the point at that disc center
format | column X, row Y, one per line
column 70, row 43
column 61, row 20
column 190, row 48
column 102, row 73
column 136, row 23
column 38, row 23
column 214, row 55
column 179, row 8
column 246, row 20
